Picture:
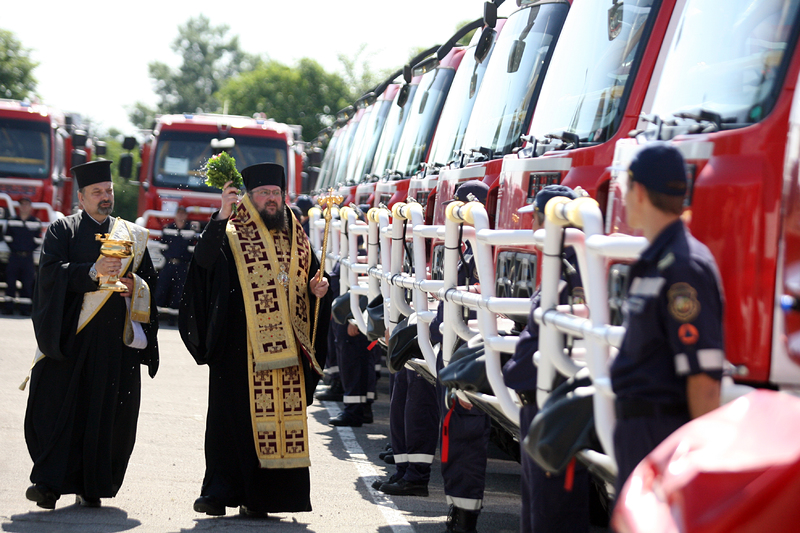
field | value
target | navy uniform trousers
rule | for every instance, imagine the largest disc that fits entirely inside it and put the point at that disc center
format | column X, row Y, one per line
column 356, row 369
column 20, row 268
column 414, row 425
column 465, row 451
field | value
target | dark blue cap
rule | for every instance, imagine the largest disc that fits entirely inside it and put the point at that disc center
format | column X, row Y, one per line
column 548, row 193
column 660, row 167
column 304, row 202
column 476, row 188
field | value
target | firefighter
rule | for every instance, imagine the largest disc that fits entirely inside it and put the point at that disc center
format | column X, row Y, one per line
column 669, row 366
column 547, row 505
column 22, row 236
column 465, row 429
column 304, row 202
column 179, row 238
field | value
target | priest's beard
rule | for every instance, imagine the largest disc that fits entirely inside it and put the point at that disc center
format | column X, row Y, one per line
column 276, row 221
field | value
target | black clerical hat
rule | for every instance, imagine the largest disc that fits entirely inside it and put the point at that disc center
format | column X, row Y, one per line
column 92, row 172
column 263, row 174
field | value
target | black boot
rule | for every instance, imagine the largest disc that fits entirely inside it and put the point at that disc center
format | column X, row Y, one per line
column 461, row 520
column 334, row 393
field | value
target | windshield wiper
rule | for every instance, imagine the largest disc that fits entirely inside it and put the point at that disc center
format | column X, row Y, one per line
column 708, row 120
column 485, row 154
column 567, row 138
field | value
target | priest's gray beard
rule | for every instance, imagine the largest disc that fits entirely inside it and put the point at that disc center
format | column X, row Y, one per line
column 276, row 221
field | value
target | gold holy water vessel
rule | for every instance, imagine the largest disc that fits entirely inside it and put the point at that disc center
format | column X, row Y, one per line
column 113, row 248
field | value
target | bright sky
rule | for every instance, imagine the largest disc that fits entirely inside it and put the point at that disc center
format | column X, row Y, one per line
column 93, row 57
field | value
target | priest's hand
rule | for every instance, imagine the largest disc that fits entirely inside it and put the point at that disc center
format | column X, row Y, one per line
column 128, row 282
column 230, row 195
column 108, row 266
column 318, row 288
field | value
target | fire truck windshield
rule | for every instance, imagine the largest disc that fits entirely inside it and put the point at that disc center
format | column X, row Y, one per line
column 728, row 59
column 513, row 78
column 597, row 55
column 422, row 119
column 457, row 109
column 181, row 156
column 372, row 134
column 24, row 149
column 392, row 131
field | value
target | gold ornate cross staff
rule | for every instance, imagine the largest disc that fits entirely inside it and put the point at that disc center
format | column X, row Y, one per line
column 327, row 203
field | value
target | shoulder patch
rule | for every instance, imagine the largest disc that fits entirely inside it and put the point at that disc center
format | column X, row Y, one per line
column 666, row 261
column 683, row 303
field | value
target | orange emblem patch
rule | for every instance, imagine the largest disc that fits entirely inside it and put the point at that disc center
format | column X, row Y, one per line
column 688, row 334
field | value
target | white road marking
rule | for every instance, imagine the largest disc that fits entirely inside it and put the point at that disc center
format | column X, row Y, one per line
column 366, row 470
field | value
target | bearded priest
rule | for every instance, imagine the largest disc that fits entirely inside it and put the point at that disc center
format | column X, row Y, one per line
column 247, row 312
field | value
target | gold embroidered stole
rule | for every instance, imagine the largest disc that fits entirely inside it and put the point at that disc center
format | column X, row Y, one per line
column 93, row 301
column 273, row 273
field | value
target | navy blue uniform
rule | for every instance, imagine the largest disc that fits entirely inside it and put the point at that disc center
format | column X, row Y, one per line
column 22, row 237
column 178, row 252
column 465, row 432
column 546, row 504
column 413, row 425
column 673, row 320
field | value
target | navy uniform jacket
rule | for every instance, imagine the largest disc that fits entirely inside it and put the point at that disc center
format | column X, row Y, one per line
column 519, row 373
column 178, row 242
column 673, row 320
column 21, row 236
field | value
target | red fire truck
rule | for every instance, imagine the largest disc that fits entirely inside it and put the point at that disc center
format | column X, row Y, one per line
column 724, row 98
column 504, row 105
column 38, row 146
column 174, row 155
column 589, row 100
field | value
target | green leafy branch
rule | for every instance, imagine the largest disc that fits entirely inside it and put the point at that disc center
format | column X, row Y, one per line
column 221, row 169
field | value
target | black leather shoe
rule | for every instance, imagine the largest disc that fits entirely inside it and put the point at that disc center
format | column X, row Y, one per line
column 461, row 520
column 335, row 393
column 384, row 453
column 44, row 497
column 209, row 506
column 244, row 511
column 345, row 419
column 388, row 458
column 83, row 501
column 366, row 413
column 378, row 483
column 402, row 487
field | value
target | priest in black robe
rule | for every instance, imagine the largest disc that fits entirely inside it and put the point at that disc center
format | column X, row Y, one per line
column 85, row 384
column 248, row 312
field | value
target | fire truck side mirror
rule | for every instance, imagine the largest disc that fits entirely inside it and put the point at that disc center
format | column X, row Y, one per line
column 79, row 139
column 129, row 143
column 125, row 166
column 77, row 157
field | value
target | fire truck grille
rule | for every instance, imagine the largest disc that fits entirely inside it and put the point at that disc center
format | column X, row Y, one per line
column 437, row 263
column 385, row 197
column 618, row 282
column 538, row 180
column 422, row 197
column 516, row 275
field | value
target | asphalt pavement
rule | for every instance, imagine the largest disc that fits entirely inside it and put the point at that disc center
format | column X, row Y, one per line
column 166, row 468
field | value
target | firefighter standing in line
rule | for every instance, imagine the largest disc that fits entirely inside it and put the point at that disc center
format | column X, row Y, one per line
column 179, row 237
column 546, row 504
column 669, row 366
column 22, row 234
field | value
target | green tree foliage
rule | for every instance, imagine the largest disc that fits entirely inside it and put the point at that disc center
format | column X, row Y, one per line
column 126, row 193
column 16, row 68
column 301, row 95
column 209, row 58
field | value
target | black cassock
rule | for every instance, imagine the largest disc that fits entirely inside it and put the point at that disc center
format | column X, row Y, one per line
column 83, row 406
column 214, row 328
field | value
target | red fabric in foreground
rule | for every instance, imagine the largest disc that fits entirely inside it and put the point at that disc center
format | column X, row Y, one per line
column 736, row 469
